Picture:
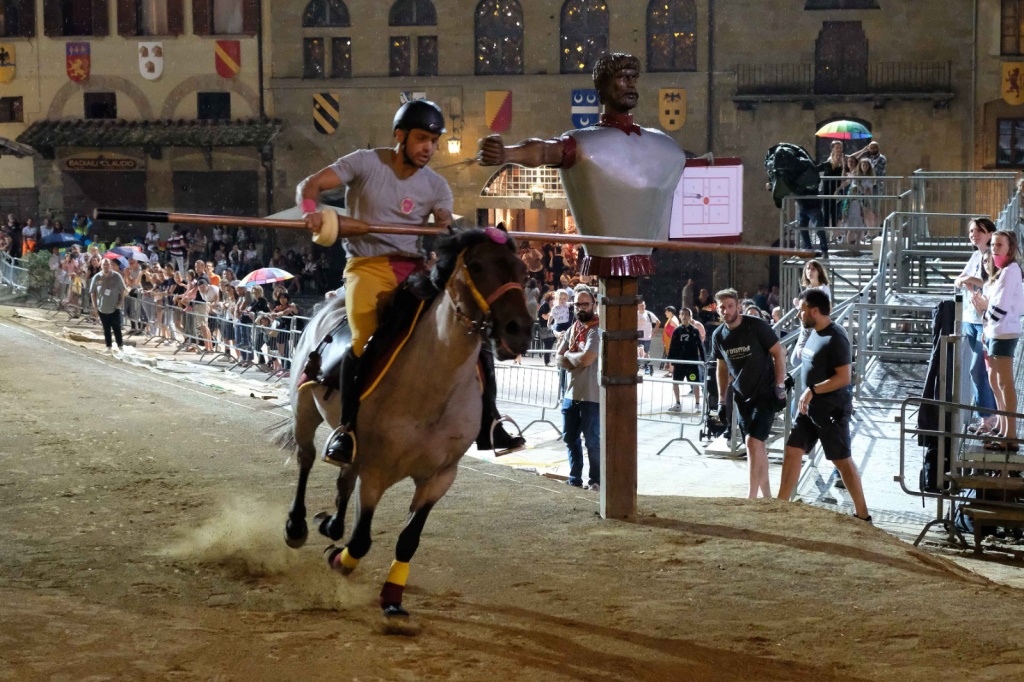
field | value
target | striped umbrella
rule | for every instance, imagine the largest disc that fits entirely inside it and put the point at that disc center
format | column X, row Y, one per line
column 843, row 130
column 266, row 276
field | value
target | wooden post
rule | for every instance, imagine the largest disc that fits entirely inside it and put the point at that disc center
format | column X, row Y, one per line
column 618, row 370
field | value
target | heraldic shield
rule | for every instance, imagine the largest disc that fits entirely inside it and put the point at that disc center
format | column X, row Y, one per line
column 1013, row 83
column 498, row 110
column 8, row 62
column 227, row 58
column 326, row 112
column 151, row 60
column 78, row 61
column 584, row 108
column 672, row 108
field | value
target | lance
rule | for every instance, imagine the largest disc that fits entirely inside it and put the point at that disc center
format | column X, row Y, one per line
column 335, row 226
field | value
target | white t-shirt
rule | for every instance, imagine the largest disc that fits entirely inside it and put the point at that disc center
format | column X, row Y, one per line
column 376, row 195
column 645, row 323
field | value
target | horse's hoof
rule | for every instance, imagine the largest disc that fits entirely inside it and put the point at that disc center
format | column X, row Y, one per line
column 295, row 534
column 332, row 554
column 394, row 611
column 324, row 526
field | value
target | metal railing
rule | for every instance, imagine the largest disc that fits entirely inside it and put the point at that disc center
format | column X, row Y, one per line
column 881, row 78
column 14, row 273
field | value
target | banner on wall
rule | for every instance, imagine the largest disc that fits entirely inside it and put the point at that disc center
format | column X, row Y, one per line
column 498, row 110
column 227, row 58
column 326, row 112
column 8, row 62
column 672, row 108
column 1013, row 82
column 78, row 61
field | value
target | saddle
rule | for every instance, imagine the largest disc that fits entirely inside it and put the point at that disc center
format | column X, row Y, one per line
column 398, row 320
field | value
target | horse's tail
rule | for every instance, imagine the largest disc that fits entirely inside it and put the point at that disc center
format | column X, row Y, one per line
column 282, row 434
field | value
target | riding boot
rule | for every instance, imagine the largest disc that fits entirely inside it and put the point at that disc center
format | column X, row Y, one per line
column 491, row 419
column 341, row 446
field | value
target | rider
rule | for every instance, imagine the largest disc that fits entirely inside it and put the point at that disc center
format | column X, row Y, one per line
column 389, row 185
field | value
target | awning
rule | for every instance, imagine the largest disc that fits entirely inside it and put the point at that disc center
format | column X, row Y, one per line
column 47, row 136
column 15, row 149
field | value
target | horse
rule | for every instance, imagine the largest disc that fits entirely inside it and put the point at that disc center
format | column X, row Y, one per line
column 425, row 412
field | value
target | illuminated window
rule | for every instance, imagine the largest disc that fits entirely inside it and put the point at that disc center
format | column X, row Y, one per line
column 17, row 18
column 325, row 14
column 672, row 35
column 400, row 48
column 498, row 29
column 584, row 34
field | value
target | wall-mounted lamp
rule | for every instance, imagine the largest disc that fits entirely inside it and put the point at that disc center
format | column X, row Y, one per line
column 536, row 196
column 454, row 145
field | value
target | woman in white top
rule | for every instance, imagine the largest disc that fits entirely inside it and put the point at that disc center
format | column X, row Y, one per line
column 971, row 279
column 861, row 204
column 1002, row 302
column 813, row 277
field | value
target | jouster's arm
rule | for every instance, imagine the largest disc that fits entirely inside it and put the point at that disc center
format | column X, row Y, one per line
column 531, row 153
column 311, row 187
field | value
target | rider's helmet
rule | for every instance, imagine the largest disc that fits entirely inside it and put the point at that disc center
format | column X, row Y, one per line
column 422, row 114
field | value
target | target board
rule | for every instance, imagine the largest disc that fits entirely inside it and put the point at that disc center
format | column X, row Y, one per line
column 708, row 202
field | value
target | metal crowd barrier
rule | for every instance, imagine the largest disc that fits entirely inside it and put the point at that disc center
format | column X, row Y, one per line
column 14, row 272
column 215, row 333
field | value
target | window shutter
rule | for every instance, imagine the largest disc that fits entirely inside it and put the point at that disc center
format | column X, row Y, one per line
column 202, row 17
column 52, row 19
column 100, row 18
column 127, row 18
column 27, row 18
column 250, row 17
column 175, row 17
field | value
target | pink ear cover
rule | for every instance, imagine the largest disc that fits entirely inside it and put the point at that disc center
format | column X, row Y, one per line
column 496, row 235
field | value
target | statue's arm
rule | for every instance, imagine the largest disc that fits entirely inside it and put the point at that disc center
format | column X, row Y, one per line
column 532, row 153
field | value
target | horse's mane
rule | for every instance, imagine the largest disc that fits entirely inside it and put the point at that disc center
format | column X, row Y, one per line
column 428, row 284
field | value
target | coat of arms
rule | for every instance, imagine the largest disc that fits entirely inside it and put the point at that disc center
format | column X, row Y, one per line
column 228, row 57
column 585, row 108
column 7, row 62
column 151, row 60
column 78, row 61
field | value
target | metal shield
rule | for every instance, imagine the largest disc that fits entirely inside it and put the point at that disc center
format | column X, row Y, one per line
column 326, row 109
column 151, row 60
column 585, row 108
column 8, row 62
column 78, row 61
column 1013, row 82
column 227, row 58
column 672, row 108
column 498, row 110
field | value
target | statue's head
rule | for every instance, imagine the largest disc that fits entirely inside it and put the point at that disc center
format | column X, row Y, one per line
column 615, row 77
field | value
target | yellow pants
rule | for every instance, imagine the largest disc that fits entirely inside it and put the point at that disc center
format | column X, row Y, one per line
column 369, row 281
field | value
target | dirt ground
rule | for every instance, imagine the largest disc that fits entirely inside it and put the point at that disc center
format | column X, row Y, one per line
column 142, row 540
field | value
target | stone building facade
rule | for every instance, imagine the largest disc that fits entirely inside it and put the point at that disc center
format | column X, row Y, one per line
column 754, row 74
column 135, row 104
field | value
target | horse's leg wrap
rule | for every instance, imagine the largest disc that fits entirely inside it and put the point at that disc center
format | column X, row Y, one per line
column 394, row 587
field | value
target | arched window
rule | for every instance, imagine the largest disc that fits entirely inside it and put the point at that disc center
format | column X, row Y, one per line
column 672, row 35
column 412, row 13
column 403, row 48
column 498, row 29
column 325, row 14
column 584, row 34
column 326, row 55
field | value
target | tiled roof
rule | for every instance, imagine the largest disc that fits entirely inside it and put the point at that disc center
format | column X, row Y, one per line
column 12, row 148
column 45, row 136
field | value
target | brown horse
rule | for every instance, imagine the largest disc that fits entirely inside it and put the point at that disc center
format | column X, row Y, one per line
column 425, row 412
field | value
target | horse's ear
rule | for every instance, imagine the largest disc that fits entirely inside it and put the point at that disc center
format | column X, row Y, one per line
column 501, row 226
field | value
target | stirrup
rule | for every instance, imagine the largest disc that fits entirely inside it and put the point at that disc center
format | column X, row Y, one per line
column 330, row 439
column 520, row 437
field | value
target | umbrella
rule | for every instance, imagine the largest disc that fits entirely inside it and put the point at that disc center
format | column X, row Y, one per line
column 59, row 239
column 266, row 276
column 132, row 252
column 122, row 261
column 844, row 130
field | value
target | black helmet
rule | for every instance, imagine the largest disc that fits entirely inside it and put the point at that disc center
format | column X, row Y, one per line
column 422, row 114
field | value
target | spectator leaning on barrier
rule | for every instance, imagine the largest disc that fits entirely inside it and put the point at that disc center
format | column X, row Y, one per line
column 826, row 404
column 971, row 279
column 107, row 291
column 1002, row 302
column 749, row 352
column 581, row 414
column 646, row 323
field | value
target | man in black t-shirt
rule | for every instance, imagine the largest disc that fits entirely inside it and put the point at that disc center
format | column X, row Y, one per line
column 686, row 345
column 826, row 404
column 749, row 351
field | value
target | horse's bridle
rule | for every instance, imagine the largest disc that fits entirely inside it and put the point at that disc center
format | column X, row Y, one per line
column 483, row 322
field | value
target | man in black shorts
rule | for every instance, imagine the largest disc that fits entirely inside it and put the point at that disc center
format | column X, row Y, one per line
column 749, row 351
column 686, row 345
column 826, row 405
